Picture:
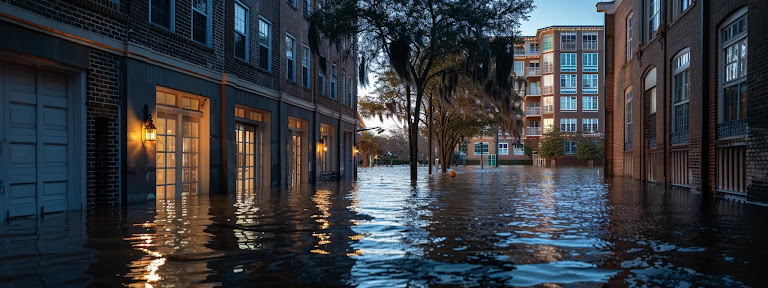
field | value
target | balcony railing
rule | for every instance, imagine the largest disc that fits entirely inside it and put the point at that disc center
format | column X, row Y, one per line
column 549, row 90
column 568, row 45
column 534, row 131
column 651, row 143
column 678, row 138
column 533, row 91
column 534, row 71
column 732, row 129
column 547, row 68
column 549, row 108
column 533, row 111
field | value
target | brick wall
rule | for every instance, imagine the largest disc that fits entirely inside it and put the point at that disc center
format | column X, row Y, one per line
column 249, row 70
column 102, row 17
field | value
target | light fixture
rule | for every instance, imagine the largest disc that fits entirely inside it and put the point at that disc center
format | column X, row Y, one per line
column 150, row 131
column 325, row 148
column 354, row 149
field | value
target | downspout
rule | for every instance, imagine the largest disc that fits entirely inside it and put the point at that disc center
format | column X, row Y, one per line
column 667, row 100
column 705, row 96
column 223, row 133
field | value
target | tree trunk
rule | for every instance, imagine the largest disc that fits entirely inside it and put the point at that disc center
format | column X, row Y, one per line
column 365, row 160
column 429, row 122
column 412, row 137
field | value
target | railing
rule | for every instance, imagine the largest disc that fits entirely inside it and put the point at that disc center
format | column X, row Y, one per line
column 589, row 45
column 568, row 45
column 519, row 72
column 651, row 143
column 519, row 52
column 628, row 146
column 732, row 128
column 549, row 89
column 533, row 111
column 678, row 138
column 547, row 68
column 534, row 91
column 549, row 108
column 534, row 71
column 534, row 131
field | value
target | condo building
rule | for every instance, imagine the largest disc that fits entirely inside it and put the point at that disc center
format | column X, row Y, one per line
column 686, row 99
column 105, row 102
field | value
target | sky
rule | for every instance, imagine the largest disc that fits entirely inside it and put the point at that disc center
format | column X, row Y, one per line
column 547, row 13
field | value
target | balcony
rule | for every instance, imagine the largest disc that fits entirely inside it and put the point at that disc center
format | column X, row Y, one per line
column 548, row 68
column 533, row 91
column 732, row 129
column 568, row 45
column 532, row 111
column 549, row 108
column 534, row 71
column 533, row 131
column 549, row 90
column 652, row 143
column 678, row 138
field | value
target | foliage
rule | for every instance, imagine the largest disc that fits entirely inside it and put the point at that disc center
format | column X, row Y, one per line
column 424, row 40
column 551, row 145
column 527, row 150
column 368, row 144
column 586, row 149
column 601, row 147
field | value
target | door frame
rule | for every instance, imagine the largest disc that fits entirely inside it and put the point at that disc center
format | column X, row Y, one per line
column 76, row 131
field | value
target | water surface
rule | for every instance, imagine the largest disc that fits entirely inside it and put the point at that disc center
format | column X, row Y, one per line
column 507, row 226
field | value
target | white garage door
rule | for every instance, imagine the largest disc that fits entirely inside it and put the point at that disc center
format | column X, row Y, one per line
column 36, row 136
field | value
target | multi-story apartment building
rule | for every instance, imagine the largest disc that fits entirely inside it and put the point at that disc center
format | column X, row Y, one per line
column 237, row 98
column 686, row 102
column 563, row 69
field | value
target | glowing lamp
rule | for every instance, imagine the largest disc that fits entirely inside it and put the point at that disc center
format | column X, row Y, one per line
column 150, row 131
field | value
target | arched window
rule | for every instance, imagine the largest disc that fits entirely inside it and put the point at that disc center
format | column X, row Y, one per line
column 681, row 94
column 628, row 119
column 733, row 67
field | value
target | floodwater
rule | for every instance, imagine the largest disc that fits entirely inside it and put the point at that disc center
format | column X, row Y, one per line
column 507, row 226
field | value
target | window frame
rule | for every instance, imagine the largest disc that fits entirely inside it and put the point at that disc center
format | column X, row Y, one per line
column 568, row 103
column 503, row 150
column 290, row 76
column 568, row 45
column 593, row 45
column 629, row 36
column 484, row 147
column 590, row 103
column 568, row 62
column 681, row 72
column 246, row 33
column 171, row 16
column 268, row 45
column 306, row 64
column 593, row 79
column 653, row 19
column 739, row 82
column 548, row 39
column 569, row 147
column 208, row 23
column 334, row 75
column 351, row 92
column 569, row 124
column 628, row 137
column 586, row 62
column 593, row 123
column 568, row 84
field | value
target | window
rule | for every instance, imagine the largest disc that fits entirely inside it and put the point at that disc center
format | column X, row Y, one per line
column 333, row 81
column 533, row 48
column 305, row 70
column 549, row 105
column 568, row 41
column 547, row 43
column 570, row 147
column 568, row 103
column 161, row 13
column 265, row 45
column 290, row 58
column 351, row 92
column 652, row 22
column 589, row 103
column 568, row 62
column 321, row 82
column 548, row 83
column 630, row 36
column 307, row 7
column 733, row 46
column 519, row 68
column 589, row 83
column 201, row 17
column 503, row 148
column 481, row 148
column 589, row 125
column 568, row 84
column 589, row 62
column 241, row 31
column 628, row 120
column 292, row 2
column 548, row 60
column 343, row 87
column 682, row 5
column 519, row 149
column 681, row 91
column 568, row 125
column 589, row 40
column 549, row 124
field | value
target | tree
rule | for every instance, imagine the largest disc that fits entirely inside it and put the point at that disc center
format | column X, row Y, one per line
column 551, row 145
column 367, row 145
column 586, row 149
column 412, row 37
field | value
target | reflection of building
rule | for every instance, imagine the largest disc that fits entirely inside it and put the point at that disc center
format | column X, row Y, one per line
column 563, row 68
column 235, row 92
column 509, row 148
column 684, row 107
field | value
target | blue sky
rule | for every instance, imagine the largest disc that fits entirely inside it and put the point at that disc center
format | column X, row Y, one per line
column 547, row 13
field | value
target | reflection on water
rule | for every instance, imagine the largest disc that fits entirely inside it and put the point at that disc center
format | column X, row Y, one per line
column 508, row 226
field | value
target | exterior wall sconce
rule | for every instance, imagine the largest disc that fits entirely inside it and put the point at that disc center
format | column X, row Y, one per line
column 354, row 150
column 325, row 148
column 150, row 131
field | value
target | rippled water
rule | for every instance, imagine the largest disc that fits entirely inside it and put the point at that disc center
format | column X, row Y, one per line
column 509, row 226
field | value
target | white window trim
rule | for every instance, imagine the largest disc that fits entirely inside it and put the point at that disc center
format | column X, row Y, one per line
column 482, row 145
column 567, row 100
column 568, row 62
column 591, row 90
column 597, row 41
column 568, row 88
column 590, row 122
column 269, row 43
column 629, row 36
column 503, row 150
column 588, row 99
column 247, row 29
column 570, row 125
column 722, row 60
column 208, row 26
column 589, row 67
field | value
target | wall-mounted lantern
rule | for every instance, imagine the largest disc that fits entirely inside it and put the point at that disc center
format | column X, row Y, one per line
column 150, row 131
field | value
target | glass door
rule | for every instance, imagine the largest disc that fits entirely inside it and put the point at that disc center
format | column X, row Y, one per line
column 166, row 156
column 248, row 140
column 295, row 158
column 191, row 156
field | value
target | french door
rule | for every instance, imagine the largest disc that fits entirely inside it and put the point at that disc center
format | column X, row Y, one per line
column 250, row 165
column 178, row 166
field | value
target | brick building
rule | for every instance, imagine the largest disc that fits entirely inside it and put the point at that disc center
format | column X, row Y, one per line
column 238, row 100
column 684, row 108
column 564, row 70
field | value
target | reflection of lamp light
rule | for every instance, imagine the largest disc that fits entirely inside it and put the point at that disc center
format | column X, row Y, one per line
column 150, row 131
column 325, row 148
column 354, row 150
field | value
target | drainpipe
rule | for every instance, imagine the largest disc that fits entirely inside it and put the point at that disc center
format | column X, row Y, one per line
column 664, row 92
column 223, row 127
column 705, row 96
